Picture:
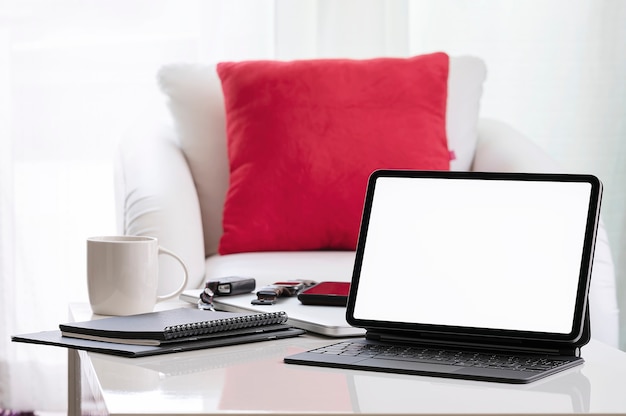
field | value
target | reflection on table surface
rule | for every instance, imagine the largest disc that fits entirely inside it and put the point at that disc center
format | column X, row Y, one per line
column 253, row 377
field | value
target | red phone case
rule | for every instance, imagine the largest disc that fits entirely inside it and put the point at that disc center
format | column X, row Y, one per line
column 326, row 293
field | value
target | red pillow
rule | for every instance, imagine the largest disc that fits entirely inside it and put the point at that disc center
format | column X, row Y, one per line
column 303, row 137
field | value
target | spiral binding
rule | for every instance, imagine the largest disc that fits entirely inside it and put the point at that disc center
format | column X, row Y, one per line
column 225, row 324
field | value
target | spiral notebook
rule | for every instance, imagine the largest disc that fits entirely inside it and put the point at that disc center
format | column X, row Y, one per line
column 174, row 325
column 162, row 332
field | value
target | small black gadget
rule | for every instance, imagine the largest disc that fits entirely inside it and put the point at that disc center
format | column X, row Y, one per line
column 225, row 286
column 231, row 285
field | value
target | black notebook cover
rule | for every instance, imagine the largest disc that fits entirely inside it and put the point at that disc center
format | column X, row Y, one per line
column 55, row 338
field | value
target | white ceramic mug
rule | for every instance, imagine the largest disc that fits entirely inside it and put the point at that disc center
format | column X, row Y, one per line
column 123, row 274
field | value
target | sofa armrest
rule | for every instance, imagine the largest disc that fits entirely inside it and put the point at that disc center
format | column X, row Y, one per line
column 500, row 148
column 603, row 293
column 155, row 195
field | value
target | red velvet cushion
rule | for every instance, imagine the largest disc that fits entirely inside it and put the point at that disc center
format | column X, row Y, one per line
column 303, row 137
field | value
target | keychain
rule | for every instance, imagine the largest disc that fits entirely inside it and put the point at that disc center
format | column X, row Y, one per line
column 268, row 294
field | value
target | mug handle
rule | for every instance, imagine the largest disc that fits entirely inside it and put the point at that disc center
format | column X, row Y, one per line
column 185, row 277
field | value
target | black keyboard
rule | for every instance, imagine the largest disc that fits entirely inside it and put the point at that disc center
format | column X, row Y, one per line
column 443, row 356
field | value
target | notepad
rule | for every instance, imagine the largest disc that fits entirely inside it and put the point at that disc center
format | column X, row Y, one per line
column 174, row 326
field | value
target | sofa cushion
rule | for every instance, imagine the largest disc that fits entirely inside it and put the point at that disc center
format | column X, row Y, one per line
column 273, row 266
column 196, row 102
column 303, row 137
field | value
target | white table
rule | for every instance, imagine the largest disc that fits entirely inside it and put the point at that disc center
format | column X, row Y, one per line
column 252, row 378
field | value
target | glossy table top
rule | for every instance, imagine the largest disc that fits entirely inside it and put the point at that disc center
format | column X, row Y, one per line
column 252, row 378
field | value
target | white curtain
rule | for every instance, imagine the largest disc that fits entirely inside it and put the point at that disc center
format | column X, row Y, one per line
column 75, row 75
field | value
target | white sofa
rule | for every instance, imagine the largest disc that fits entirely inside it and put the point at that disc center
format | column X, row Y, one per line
column 171, row 179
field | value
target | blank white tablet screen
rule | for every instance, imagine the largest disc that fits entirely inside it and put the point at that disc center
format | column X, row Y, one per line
column 502, row 254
